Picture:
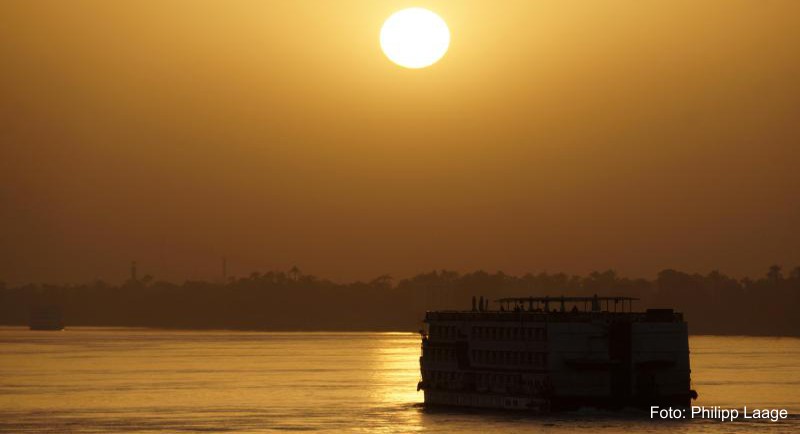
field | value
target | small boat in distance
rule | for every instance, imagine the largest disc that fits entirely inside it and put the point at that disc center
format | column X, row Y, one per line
column 45, row 317
column 528, row 355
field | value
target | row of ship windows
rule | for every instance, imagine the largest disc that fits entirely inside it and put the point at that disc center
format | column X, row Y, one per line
column 443, row 331
column 431, row 375
column 512, row 358
column 528, row 358
column 480, row 378
column 492, row 333
column 509, row 333
column 439, row 354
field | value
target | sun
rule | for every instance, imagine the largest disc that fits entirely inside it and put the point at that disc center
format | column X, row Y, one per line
column 415, row 38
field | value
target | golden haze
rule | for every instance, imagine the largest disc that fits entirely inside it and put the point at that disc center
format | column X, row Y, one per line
column 558, row 136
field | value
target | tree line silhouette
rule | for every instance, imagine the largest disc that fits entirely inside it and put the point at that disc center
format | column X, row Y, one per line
column 712, row 303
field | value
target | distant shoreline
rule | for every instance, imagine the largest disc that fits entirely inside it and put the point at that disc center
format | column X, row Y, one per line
column 711, row 304
column 287, row 330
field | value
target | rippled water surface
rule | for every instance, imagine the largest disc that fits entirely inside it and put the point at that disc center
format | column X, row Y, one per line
column 137, row 380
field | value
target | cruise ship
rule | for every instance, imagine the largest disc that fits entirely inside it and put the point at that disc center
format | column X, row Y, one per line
column 45, row 317
column 543, row 354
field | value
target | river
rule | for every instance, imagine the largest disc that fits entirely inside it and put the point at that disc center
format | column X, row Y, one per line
column 87, row 380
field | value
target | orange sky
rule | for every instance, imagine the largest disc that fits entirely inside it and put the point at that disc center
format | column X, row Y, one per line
column 559, row 136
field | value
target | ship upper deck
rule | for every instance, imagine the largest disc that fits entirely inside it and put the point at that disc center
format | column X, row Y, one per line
column 651, row 315
column 556, row 309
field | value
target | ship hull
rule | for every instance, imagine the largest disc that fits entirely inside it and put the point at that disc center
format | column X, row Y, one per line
column 434, row 398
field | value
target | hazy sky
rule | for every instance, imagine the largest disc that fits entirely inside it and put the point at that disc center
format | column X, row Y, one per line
column 554, row 135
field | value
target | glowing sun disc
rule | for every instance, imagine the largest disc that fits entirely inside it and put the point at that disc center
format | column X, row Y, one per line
column 415, row 38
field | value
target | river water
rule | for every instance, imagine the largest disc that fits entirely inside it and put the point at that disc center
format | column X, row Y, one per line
column 139, row 380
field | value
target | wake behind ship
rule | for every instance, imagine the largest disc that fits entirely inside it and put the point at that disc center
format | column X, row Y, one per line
column 528, row 355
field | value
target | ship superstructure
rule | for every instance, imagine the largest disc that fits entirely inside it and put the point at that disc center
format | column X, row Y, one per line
column 551, row 353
